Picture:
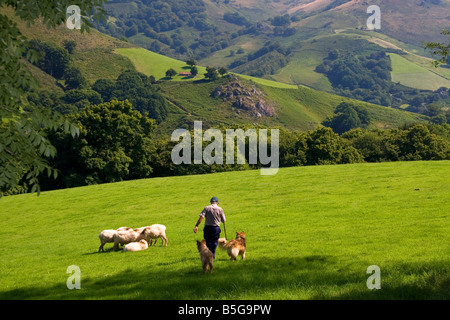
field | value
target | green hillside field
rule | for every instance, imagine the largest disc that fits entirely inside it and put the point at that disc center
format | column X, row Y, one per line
column 155, row 64
column 100, row 56
column 415, row 76
column 297, row 107
column 312, row 232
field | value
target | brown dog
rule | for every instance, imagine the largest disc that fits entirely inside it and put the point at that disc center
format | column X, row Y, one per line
column 235, row 247
column 206, row 256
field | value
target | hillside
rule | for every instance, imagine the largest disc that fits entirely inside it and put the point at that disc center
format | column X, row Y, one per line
column 99, row 56
column 320, row 235
column 232, row 32
column 286, row 41
column 94, row 50
column 301, row 109
column 350, row 121
column 415, row 76
column 295, row 107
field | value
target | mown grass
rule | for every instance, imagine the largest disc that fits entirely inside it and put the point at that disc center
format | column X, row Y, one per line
column 311, row 234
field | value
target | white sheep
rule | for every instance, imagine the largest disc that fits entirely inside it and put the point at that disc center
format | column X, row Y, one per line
column 107, row 236
column 139, row 230
column 126, row 237
column 124, row 229
column 156, row 231
column 136, row 246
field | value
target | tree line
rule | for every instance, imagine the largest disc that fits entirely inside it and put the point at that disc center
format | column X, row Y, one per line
column 117, row 143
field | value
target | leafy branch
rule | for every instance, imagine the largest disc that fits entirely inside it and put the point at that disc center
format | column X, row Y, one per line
column 441, row 50
column 24, row 146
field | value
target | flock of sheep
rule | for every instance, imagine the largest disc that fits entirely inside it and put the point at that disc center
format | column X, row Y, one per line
column 133, row 239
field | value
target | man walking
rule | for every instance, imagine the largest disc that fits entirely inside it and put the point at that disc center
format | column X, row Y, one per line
column 213, row 215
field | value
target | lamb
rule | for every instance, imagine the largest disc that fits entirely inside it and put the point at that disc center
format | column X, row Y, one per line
column 125, row 237
column 136, row 246
column 107, row 236
column 156, row 231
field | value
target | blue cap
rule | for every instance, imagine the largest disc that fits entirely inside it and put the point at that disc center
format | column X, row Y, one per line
column 214, row 199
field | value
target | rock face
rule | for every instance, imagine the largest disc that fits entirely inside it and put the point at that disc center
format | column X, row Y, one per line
column 245, row 98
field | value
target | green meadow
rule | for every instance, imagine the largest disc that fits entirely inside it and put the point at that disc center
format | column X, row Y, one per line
column 415, row 76
column 312, row 232
column 154, row 64
column 297, row 109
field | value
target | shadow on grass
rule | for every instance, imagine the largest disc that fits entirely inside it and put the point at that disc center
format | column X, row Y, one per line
column 311, row 277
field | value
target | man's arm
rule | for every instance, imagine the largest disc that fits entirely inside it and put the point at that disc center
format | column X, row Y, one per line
column 198, row 222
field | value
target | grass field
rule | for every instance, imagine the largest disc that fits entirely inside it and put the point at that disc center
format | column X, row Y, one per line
column 154, row 64
column 415, row 76
column 301, row 108
column 312, row 232
column 151, row 63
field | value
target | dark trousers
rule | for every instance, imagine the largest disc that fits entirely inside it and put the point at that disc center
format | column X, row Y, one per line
column 211, row 235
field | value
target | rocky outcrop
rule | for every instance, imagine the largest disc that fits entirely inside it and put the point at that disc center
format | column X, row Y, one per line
column 245, row 98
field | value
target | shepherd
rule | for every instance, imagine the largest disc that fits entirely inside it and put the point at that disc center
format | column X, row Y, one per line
column 213, row 215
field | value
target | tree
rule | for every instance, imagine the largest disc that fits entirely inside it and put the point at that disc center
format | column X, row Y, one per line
column 115, row 144
column 347, row 116
column 171, row 73
column 420, row 144
column 131, row 31
column 223, row 71
column 194, row 71
column 372, row 145
column 74, row 78
column 69, row 45
column 23, row 141
column 211, row 73
column 281, row 20
column 236, row 18
column 77, row 95
column 441, row 50
column 137, row 88
column 52, row 59
column 323, row 146
column 191, row 62
column 105, row 87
